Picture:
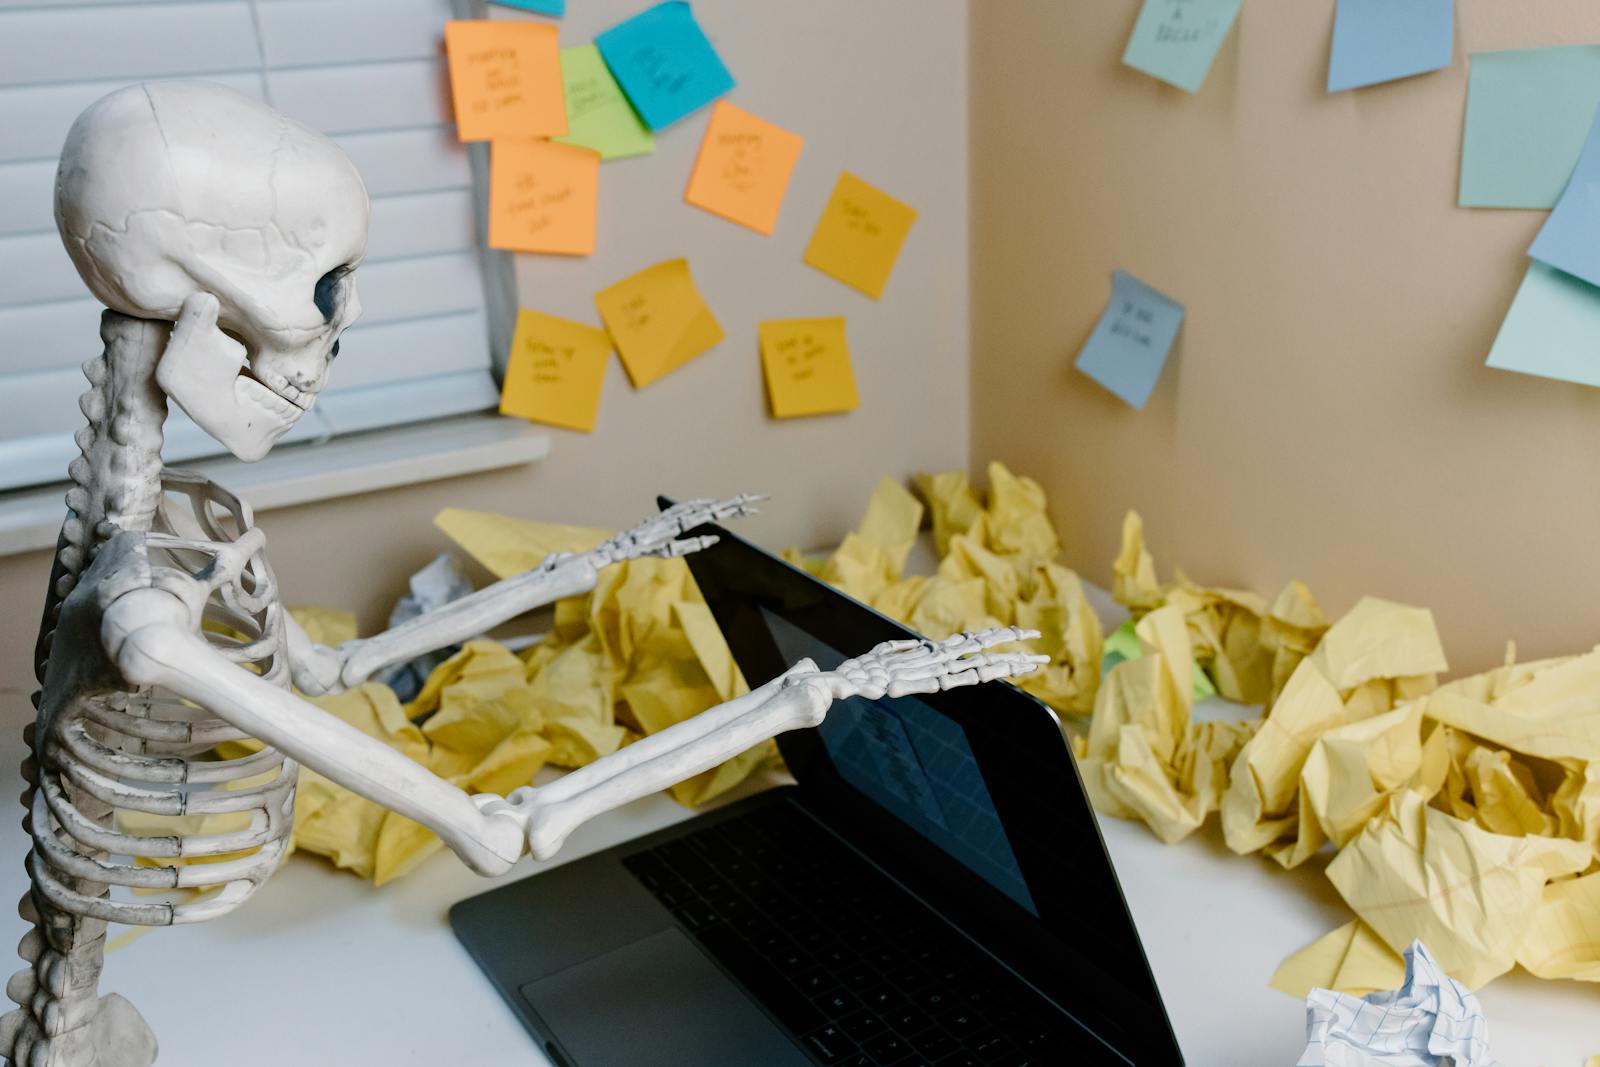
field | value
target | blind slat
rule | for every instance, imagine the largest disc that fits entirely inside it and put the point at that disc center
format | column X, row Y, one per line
column 422, row 224
column 350, row 31
column 408, row 161
column 373, row 96
column 131, row 41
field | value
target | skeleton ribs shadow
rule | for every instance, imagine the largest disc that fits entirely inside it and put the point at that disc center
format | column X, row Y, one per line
column 224, row 240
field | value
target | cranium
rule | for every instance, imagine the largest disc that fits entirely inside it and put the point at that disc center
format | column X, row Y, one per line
column 171, row 189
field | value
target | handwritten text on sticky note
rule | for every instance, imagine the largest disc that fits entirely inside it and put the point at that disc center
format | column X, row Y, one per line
column 658, row 320
column 505, row 78
column 598, row 115
column 542, row 197
column 1177, row 40
column 1130, row 343
column 858, row 238
column 664, row 62
column 556, row 370
column 743, row 168
column 806, row 363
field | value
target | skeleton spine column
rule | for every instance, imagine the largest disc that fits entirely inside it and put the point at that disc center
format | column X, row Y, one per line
column 116, row 485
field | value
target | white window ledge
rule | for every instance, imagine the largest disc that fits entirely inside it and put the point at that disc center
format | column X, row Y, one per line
column 30, row 519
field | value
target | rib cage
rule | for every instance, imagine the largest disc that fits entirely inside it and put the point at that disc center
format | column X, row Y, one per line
column 122, row 776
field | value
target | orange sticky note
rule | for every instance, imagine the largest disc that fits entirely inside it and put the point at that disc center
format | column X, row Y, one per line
column 743, row 168
column 807, row 367
column 542, row 196
column 657, row 320
column 859, row 235
column 556, row 370
column 505, row 78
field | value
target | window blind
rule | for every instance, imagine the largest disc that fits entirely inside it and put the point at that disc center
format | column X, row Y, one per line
column 368, row 73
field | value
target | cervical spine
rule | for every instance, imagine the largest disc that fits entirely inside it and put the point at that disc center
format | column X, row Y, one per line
column 116, row 485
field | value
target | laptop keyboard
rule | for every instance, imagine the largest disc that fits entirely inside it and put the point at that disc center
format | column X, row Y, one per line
column 858, row 971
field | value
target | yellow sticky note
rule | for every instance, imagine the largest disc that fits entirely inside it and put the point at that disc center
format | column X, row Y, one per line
column 743, row 168
column 505, row 78
column 542, row 197
column 555, row 372
column 859, row 235
column 657, row 320
column 807, row 365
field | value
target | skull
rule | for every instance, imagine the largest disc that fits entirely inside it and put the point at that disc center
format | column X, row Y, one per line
column 171, row 189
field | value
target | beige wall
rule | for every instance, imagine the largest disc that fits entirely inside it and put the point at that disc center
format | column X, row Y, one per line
column 1327, row 414
column 881, row 90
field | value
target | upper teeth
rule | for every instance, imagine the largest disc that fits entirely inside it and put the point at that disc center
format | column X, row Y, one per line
column 300, row 398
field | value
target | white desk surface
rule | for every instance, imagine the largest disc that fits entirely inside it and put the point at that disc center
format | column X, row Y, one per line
column 352, row 975
column 340, row 973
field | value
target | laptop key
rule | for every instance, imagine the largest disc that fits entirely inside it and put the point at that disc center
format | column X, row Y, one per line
column 789, row 1006
column 993, row 1047
column 887, row 1048
column 695, row 915
column 906, row 1020
column 838, row 1004
column 880, row 998
column 828, row 1045
column 815, row 982
column 861, row 1026
column 960, row 1059
column 931, row 1045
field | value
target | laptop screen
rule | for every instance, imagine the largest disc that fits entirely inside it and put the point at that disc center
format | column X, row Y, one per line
column 914, row 763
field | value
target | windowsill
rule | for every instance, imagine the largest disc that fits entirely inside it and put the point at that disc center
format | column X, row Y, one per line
column 305, row 473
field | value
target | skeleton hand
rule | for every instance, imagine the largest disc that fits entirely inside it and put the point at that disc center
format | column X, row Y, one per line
column 659, row 535
column 896, row 668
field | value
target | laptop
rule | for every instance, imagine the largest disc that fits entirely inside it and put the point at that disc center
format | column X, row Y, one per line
column 932, row 890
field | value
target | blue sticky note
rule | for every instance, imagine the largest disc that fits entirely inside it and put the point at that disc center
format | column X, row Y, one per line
column 1528, row 112
column 1130, row 343
column 1570, row 239
column 664, row 63
column 1381, row 40
column 1552, row 329
column 556, row 8
column 1176, row 40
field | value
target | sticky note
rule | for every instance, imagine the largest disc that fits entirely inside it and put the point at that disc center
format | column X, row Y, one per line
column 542, row 196
column 1570, row 238
column 1381, row 40
column 657, row 320
column 1177, row 40
column 540, row 7
column 858, row 238
column 1552, row 329
column 556, row 370
column 743, row 168
column 505, row 78
column 1528, row 112
column 1130, row 343
column 598, row 115
column 665, row 64
column 807, row 367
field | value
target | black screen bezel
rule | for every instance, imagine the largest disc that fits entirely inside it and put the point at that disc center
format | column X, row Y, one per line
column 1084, row 923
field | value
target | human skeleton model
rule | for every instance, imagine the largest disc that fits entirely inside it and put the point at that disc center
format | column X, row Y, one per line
column 224, row 240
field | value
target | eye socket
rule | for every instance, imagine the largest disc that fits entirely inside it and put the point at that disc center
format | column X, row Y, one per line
column 328, row 291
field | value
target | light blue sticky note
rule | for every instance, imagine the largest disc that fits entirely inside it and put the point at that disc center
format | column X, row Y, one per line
column 1176, row 40
column 1129, row 345
column 662, row 60
column 1528, row 112
column 1570, row 239
column 1381, row 40
column 556, row 8
column 1552, row 329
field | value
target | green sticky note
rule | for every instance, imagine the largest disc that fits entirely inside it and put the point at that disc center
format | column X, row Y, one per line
column 599, row 117
column 1176, row 40
column 1552, row 329
column 1124, row 644
column 1528, row 112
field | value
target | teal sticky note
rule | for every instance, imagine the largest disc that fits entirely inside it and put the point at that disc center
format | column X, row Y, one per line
column 1552, row 329
column 557, row 8
column 1176, row 40
column 665, row 64
column 1130, row 343
column 1528, row 112
column 1380, row 40
column 1570, row 238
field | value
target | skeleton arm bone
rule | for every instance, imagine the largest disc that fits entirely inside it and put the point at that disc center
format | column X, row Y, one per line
column 149, row 634
column 799, row 698
column 318, row 669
